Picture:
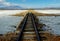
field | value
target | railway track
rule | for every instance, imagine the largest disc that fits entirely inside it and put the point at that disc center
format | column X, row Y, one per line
column 29, row 30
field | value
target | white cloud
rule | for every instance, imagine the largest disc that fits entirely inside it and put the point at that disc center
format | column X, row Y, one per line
column 7, row 4
column 3, row 3
column 2, row 0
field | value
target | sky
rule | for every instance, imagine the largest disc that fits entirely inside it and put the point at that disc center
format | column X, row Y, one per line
column 30, row 3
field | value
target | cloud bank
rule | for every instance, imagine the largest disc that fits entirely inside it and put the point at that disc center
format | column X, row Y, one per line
column 3, row 3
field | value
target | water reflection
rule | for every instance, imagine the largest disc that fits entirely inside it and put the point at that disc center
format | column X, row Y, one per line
column 52, row 23
column 9, row 23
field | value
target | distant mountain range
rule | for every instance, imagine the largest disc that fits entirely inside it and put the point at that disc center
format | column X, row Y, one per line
column 21, row 8
column 53, row 8
column 11, row 8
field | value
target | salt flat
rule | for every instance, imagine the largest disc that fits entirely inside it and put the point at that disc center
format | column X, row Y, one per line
column 9, row 12
column 49, row 11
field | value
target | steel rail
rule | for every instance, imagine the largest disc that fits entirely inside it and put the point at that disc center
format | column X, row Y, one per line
column 22, row 28
column 24, row 24
column 35, row 27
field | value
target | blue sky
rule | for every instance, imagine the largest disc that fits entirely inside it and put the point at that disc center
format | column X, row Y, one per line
column 31, row 3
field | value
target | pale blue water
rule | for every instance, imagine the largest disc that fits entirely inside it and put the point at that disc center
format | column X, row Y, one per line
column 7, row 23
column 52, row 22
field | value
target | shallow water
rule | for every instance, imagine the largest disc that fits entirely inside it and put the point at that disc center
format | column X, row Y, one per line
column 7, row 23
column 52, row 23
